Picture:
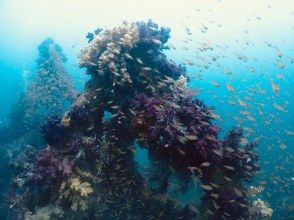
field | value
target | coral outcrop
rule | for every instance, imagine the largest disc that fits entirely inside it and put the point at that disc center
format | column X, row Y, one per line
column 137, row 98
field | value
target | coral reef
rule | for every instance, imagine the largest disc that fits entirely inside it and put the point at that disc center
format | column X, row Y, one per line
column 90, row 167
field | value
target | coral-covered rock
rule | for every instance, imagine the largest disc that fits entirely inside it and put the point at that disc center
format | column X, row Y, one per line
column 150, row 105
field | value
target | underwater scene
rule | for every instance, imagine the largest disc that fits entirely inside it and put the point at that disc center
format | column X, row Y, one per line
column 119, row 110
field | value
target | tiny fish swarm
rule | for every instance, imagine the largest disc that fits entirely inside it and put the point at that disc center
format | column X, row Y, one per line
column 52, row 87
column 90, row 169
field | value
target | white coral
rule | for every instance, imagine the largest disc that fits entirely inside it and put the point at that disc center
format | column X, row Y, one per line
column 263, row 207
column 107, row 46
column 105, row 52
column 181, row 83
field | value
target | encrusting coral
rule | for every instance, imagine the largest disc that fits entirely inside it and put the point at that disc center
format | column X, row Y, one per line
column 148, row 105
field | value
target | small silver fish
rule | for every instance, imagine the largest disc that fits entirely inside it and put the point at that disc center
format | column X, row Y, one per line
column 229, row 167
column 205, row 164
column 218, row 152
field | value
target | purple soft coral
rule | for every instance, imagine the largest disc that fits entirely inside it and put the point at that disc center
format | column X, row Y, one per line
column 49, row 168
column 182, row 126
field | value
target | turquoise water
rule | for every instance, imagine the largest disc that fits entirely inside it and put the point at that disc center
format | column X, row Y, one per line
column 242, row 64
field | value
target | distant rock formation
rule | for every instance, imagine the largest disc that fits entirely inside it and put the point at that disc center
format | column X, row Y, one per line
column 50, row 93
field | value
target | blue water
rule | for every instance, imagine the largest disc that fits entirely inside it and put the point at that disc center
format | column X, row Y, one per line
column 273, row 128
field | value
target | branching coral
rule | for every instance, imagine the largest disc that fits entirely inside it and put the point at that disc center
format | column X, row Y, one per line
column 110, row 50
column 149, row 102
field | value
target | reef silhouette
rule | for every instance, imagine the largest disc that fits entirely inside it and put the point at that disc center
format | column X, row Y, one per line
column 136, row 98
column 48, row 94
